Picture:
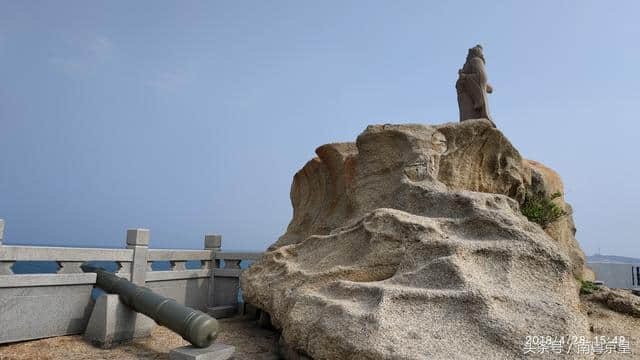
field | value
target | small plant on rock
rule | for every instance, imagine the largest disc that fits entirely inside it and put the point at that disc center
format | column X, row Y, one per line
column 588, row 287
column 541, row 209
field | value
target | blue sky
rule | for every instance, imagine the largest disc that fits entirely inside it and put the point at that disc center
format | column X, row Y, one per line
column 192, row 117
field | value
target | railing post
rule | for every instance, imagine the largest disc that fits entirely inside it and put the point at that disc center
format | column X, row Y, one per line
column 138, row 240
column 1, row 231
column 223, row 290
column 212, row 242
column 5, row 266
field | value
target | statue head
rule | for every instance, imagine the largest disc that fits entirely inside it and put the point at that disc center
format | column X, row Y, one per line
column 476, row 51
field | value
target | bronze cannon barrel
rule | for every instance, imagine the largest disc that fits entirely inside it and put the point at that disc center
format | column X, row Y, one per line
column 194, row 326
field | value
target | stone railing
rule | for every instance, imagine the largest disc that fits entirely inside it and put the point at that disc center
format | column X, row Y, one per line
column 42, row 305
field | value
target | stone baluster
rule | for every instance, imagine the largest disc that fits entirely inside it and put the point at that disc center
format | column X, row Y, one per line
column 1, row 231
column 5, row 267
column 232, row 263
column 69, row 267
column 138, row 240
column 123, row 268
column 178, row 265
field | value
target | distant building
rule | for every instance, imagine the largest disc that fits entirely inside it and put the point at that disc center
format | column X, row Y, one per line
column 617, row 275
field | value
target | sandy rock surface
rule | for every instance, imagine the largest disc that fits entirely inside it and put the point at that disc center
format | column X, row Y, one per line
column 611, row 313
column 409, row 244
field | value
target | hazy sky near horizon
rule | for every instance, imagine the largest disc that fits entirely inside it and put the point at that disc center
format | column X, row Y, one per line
column 192, row 117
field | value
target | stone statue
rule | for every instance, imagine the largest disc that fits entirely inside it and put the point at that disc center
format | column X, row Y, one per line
column 472, row 87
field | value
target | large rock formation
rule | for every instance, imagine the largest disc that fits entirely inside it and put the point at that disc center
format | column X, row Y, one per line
column 409, row 244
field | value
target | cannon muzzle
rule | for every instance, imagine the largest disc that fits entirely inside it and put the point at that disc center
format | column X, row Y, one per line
column 194, row 326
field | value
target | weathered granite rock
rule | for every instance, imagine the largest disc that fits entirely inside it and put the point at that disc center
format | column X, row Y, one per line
column 619, row 300
column 333, row 188
column 562, row 230
column 409, row 244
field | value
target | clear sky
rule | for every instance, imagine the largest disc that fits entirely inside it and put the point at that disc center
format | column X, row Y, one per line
column 192, row 117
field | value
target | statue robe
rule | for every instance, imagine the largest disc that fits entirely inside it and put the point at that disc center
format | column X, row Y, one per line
column 472, row 90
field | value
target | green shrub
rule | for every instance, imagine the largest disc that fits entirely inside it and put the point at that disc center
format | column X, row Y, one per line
column 541, row 209
column 587, row 287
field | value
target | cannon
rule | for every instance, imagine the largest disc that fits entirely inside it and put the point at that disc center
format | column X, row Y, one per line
column 194, row 326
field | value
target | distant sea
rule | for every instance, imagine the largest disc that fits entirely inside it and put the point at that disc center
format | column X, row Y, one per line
column 51, row 267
